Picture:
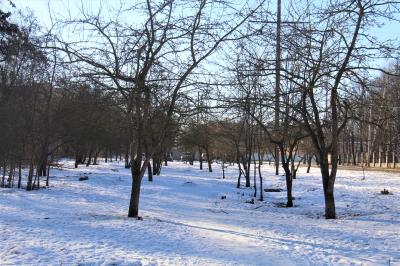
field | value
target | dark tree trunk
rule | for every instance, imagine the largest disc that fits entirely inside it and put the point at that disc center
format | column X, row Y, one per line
column 78, row 160
column 48, row 175
column 309, row 163
column 288, row 175
column 42, row 168
column 155, row 166
column 223, row 169
column 293, row 168
column 137, row 175
column 19, row 174
column 208, row 159
column 11, row 175
column 261, row 181
column 255, row 178
column 191, row 159
column 328, row 186
column 246, row 167
column 289, row 182
column 4, row 174
column 165, row 159
column 89, row 159
column 200, row 158
column 83, row 159
column 150, row 172
column 277, row 160
column 127, row 161
column 29, row 185
column 95, row 158
column 240, row 175
column 135, row 193
column 353, row 153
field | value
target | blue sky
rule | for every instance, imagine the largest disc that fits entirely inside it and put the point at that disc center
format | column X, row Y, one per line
column 40, row 8
column 60, row 8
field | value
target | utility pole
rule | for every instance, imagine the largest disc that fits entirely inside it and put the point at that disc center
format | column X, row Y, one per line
column 277, row 79
column 278, row 60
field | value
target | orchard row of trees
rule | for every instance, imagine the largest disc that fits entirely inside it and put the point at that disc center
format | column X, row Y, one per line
column 226, row 80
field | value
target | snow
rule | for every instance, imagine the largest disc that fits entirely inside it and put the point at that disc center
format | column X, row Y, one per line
column 185, row 220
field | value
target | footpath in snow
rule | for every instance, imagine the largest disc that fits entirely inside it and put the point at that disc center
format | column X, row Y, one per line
column 187, row 221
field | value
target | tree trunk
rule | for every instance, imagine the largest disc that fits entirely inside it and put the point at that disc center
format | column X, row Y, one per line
column 261, row 180
column 78, row 160
column 208, row 160
column 255, row 178
column 240, row 174
column 29, row 185
column 200, row 158
column 135, row 193
column 89, row 159
column 19, row 174
column 4, row 174
column 127, row 162
column 96, row 154
column 48, row 175
column 165, row 159
column 353, row 149
column 289, row 182
column 136, row 183
column 223, row 169
column 328, row 186
column 330, row 211
column 11, row 175
column 309, row 163
column 246, row 167
column 150, row 172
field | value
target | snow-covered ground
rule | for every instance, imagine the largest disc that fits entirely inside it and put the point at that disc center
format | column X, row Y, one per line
column 186, row 222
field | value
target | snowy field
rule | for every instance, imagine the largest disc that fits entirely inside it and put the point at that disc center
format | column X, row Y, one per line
column 186, row 222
